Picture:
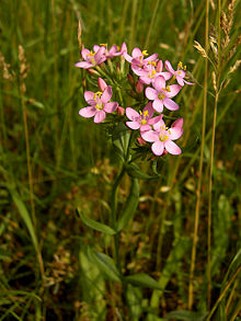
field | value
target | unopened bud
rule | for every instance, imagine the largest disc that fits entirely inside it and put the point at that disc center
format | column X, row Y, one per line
column 139, row 87
column 120, row 110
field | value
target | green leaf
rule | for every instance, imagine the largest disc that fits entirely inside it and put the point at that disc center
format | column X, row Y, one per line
column 25, row 216
column 105, row 264
column 121, row 139
column 185, row 316
column 96, row 225
column 134, row 171
column 142, row 280
column 130, row 206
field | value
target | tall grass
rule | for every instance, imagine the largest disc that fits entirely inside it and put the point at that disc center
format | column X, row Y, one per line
column 186, row 231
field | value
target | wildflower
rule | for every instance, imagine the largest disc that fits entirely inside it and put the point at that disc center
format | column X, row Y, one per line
column 137, row 59
column 116, row 51
column 150, row 71
column 178, row 74
column 162, row 137
column 142, row 120
column 92, row 58
column 99, row 105
column 162, row 94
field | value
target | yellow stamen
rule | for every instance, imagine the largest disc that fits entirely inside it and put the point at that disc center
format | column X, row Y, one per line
column 144, row 52
column 180, row 66
column 161, row 96
column 97, row 94
column 163, row 138
column 99, row 106
column 143, row 121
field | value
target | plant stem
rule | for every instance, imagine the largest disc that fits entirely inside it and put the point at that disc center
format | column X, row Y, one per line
column 198, row 194
column 210, row 185
column 114, row 215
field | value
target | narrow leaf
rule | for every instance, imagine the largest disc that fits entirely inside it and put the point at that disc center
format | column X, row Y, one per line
column 142, row 280
column 105, row 264
column 96, row 225
column 185, row 316
column 134, row 171
column 25, row 216
column 130, row 206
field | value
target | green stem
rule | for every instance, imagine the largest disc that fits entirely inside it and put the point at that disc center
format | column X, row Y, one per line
column 114, row 217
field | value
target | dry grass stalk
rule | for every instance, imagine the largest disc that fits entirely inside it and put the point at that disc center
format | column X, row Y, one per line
column 6, row 68
column 80, row 34
column 226, row 23
column 24, row 68
column 200, row 49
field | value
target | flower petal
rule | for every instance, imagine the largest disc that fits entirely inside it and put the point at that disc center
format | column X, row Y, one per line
column 173, row 90
column 136, row 53
column 99, row 116
column 168, row 66
column 132, row 114
column 133, row 124
column 150, row 93
column 158, row 105
column 172, row 148
column 149, row 136
column 102, row 84
column 175, row 133
column 110, row 107
column 157, row 148
column 170, row 104
column 87, row 112
column 159, row 83
column 178, row 123
column 89, row 97
column 83, row 64
column 107, row 94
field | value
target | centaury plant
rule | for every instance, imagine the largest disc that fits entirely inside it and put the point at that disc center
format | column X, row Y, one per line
column 132, row 98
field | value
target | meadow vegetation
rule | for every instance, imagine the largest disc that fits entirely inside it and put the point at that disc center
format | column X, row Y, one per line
column 184, row 240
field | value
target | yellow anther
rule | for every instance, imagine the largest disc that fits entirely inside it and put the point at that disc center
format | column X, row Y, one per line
column 99, row 106
column 153, row 73
column 163, row 138
column 180, row 66
column 161, row 96
column 103, row 44
column 153, row 63
column 167, row 88
column 143, row 121
column 145, row 113
column 144, row 52
column 97, row 94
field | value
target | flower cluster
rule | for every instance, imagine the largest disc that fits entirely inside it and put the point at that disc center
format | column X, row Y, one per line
column 155, row 84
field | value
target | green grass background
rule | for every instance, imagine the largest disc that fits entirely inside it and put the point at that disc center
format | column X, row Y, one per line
column 52, row 160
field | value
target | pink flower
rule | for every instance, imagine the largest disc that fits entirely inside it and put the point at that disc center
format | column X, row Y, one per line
column 162, row 94
column 162, row 137
column 99, row 105
column 137, row 59
column 142, row 120
column 178, row 74
column 150, row 71
column 92, row 58
column 116, row 51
